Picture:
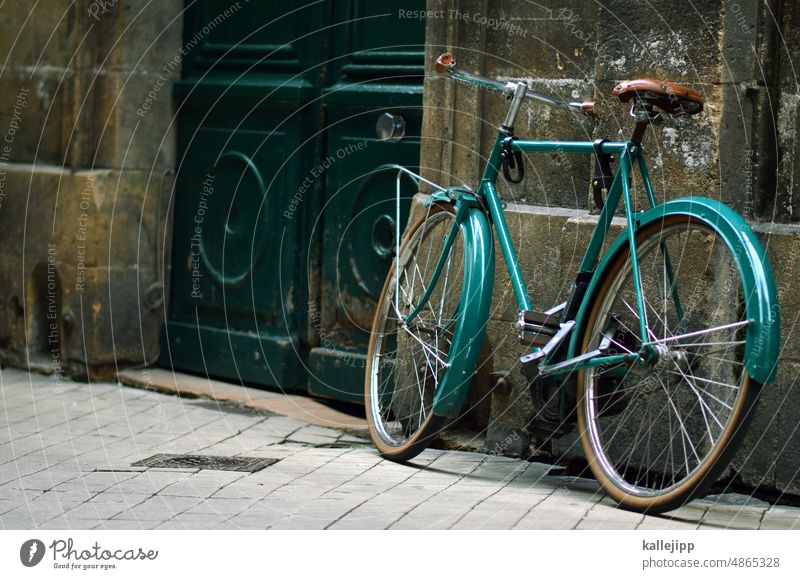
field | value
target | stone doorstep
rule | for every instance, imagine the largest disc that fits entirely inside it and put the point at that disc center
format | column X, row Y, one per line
column 294, row 406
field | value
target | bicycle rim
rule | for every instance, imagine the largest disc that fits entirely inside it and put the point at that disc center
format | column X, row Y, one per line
column 659, row 434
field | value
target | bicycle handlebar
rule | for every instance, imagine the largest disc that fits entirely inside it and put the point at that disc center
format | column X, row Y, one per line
column 446, row 64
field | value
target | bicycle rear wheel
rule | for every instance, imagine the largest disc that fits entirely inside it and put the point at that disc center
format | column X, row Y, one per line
column 407, row 362
column 658, row 434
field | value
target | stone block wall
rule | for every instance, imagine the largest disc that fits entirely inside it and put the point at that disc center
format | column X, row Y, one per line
column 87, row 157
column 740, row 55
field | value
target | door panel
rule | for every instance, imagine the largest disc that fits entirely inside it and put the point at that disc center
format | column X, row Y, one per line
column 235, row 262
column 255, row 37
column 377, row 68
column 277, row 283
column 358, row 242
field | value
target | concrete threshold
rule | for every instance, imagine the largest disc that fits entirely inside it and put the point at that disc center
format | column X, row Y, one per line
column 292, row 405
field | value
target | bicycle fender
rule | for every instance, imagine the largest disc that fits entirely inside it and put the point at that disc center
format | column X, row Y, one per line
column 473, row 317
column 762, row 347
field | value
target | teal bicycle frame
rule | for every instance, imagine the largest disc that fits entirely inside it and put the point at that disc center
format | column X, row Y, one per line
column 479, row 211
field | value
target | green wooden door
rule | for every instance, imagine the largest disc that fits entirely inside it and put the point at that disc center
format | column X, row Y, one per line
column 279, row 245
column 377, row 69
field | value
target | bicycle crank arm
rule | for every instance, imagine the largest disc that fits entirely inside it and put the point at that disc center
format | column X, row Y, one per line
column 596, row 357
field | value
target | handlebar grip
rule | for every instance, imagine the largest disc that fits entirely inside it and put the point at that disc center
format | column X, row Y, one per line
column 445, row 62
column 587, row 108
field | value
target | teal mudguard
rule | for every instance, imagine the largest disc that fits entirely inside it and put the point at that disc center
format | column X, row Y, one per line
column 473, row 314
column 762, row 343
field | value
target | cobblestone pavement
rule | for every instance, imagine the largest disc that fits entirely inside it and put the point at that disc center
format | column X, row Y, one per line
column 66, row 453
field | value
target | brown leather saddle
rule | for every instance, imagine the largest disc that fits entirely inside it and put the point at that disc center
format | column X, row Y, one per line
column 670, row 97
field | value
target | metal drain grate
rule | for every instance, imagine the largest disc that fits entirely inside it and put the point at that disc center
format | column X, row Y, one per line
column 240, row 463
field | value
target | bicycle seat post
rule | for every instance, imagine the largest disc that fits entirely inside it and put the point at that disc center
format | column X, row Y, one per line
column 645, row 115
column 638, row 133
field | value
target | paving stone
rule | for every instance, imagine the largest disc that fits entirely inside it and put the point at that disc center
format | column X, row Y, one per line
column 366, row 492
column 318, row 514
column 18, row 522
column 50, row 475
column 62, row 497
column 485, row 518
column 241, row 524
column 149, row 481
column 321, row 431
column 550, row 520
column 64, row 522
column 665, row 523
column 727, row 519
column 220, row 506
column 503, row 510
column 304, row 523
column 246, row 490
column 368, row 521
column 176, row 525
column 780, row 523
column 782, row 512
column 128, row 525
column 100, row 510
column 262, row 520
column 434, row 517
column 158, row 508
column 732, row 501
column 604, row 516
column 350, row 439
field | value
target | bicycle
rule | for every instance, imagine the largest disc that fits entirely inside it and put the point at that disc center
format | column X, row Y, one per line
column 657, row 354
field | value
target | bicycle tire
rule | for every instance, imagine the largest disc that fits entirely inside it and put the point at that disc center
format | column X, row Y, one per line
column 708, row 399
column 401, row 422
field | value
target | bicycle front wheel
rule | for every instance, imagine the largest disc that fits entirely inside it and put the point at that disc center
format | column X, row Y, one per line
column 406, row 362
column 657, row 434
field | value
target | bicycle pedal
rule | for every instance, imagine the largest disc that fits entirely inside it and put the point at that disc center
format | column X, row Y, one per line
column 537, row 328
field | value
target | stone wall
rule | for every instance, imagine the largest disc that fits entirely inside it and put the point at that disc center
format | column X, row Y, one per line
column 87, row 157
column 740, row 55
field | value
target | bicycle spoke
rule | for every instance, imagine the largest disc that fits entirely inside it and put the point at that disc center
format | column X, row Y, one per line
column 732, row 386
column 703, row 405
column 698, row 333
column 685, row 437
column 636, row 314
column 723, row 360
column 426, row 347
